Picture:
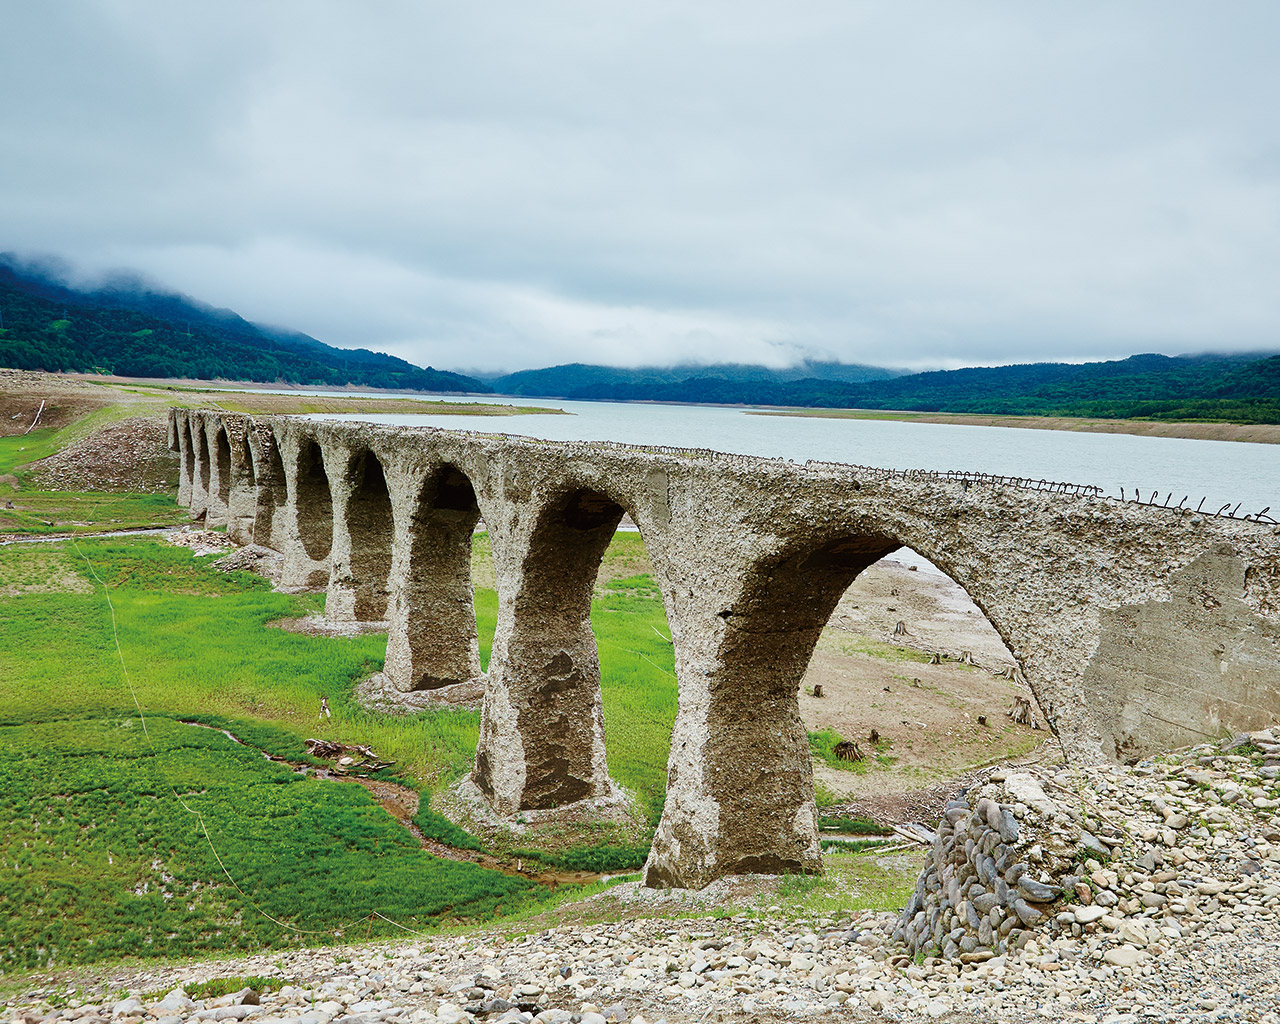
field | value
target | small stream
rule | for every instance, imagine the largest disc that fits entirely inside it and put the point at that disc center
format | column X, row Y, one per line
column 401, row 803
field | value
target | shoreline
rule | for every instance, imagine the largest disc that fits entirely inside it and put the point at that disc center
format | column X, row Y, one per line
column 1251, row 433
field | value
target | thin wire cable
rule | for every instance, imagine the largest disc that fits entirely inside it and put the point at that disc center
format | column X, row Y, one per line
column 115, row 634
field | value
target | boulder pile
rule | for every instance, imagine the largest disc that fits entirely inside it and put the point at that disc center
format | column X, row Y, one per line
column 1005, row 853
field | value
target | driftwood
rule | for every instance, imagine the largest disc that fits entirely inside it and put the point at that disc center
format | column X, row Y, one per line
column 349, row 757
column 848, row 750
column 916, row 832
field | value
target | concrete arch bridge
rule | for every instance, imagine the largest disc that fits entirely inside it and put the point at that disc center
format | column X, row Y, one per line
column 1137, row 627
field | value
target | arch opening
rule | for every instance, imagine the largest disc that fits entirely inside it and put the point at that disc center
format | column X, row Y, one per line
column 273, row 492
column 222, row 452
column 370, row 528
column 914, row 679
column 433, row 640
column 763, row 732
column 314, row 503
column 248, row 470
column 187, row 462
column 204, row 462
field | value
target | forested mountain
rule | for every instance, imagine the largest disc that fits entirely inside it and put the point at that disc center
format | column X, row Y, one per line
column 129, row 327
column 1240, row 388
column 132, row 328
column 582, row 380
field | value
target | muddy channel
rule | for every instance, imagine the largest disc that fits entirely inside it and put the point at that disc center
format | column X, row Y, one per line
column 401, row 803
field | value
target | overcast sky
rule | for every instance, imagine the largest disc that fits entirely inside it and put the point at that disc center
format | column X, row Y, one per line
column 504, row 185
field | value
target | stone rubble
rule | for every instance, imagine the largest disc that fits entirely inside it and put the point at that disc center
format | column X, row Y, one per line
column 131, row 455
column 1178, row 923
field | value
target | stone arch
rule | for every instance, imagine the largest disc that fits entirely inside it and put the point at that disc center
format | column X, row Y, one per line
column 543, row 705
column 273, row 491
column 220, row 475
column 740, row 751
column 313, row 502
column 432, row 641
column 370, row 528
column 203, row 495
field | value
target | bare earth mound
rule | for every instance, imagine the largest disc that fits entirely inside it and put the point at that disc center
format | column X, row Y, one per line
column 131, row 455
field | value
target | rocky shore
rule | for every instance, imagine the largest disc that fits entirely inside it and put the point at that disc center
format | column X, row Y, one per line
column 1153, row 891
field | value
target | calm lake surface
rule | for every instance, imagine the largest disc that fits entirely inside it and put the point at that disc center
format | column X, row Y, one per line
column 1220, row 471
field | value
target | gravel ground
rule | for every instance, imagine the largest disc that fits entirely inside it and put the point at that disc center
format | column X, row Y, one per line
column 130, row 455
column 1180, row 924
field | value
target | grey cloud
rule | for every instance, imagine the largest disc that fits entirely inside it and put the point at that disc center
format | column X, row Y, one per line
column 511, row 185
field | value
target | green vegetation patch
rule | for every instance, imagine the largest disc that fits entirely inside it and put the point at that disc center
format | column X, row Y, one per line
column 848, row 644
column 107, row 861
column 19, row 449
column 116, row 840
column 40, row 513
column 638, row 685
column 852, row 826
column 603, row 859
column 196, row 644
column 215, row 988
column 853, row 881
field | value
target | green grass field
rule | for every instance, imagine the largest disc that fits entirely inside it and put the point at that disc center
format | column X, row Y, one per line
column 95, row 823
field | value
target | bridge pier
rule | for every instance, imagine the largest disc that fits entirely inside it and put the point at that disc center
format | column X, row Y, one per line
column 242, row 499
column 432, row 640
column 740, row 778
column 200, row 468
column 219, row 484
column 360, row 561
column 542, row 724
column 273, row 489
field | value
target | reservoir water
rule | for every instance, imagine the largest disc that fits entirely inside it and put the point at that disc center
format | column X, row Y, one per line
column 1221, row 472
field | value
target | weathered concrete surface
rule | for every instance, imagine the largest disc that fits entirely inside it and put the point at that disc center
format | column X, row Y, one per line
column 432, row 641
column 1136, row 626
column 1196, row 664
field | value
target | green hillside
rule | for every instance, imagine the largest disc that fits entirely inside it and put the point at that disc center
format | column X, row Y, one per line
column 1243, row 389
column 135, row 332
